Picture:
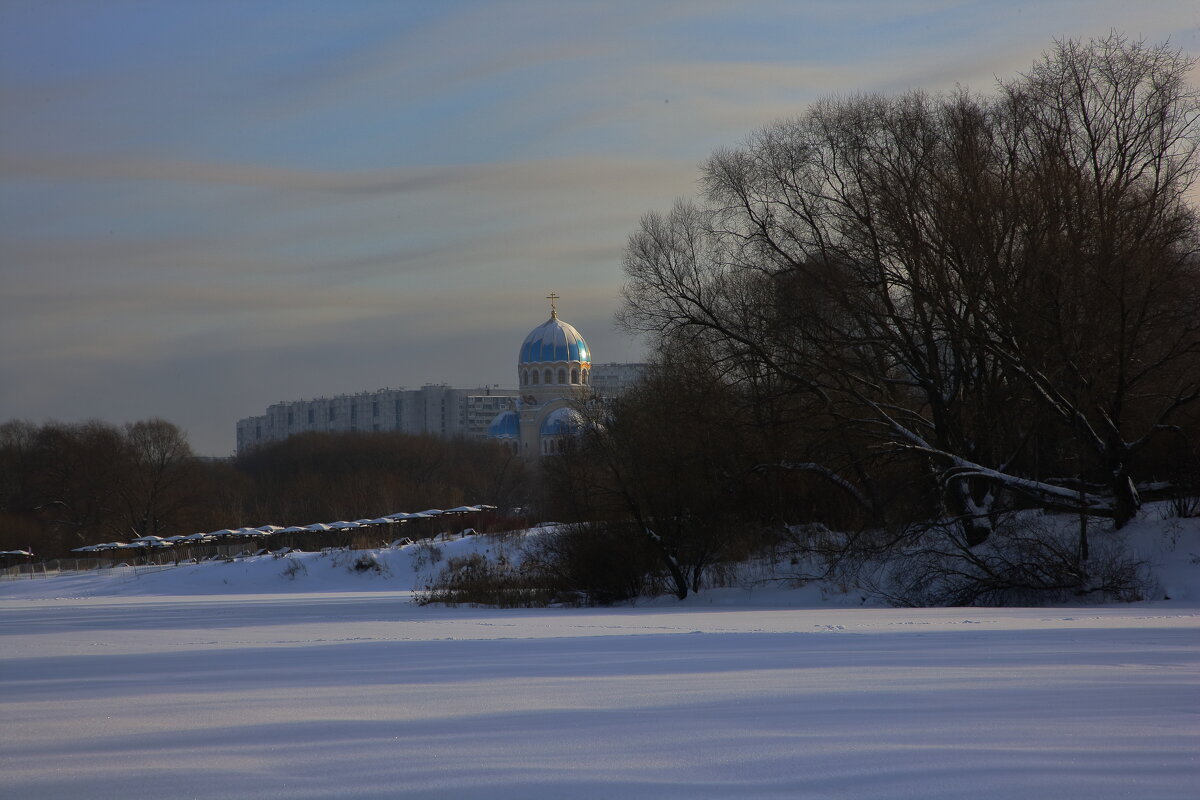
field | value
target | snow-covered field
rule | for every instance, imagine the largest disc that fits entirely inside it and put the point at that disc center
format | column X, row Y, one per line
column 263, row 679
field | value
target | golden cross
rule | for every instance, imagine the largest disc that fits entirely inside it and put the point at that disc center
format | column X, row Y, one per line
column 552, row 297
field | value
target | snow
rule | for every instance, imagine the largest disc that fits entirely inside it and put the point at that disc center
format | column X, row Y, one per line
column 263, row 679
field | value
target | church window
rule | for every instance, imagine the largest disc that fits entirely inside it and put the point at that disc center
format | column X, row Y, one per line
column 535, row 376
column 574, row 376
column 547, row 377
column 562, row 375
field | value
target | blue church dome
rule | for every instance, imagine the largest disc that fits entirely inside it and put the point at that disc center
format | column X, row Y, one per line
column 554, row 340
column 562, row 422
column 506, row 425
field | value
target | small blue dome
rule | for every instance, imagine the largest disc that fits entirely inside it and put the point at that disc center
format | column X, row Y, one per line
column 562, row 422
column 506, row 425
column 554, row 340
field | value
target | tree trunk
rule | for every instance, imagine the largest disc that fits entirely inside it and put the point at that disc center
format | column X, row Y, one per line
column 668, row 559
column 1083, row 553
column 1126, row 501
column 971, row 501
column 677, row 576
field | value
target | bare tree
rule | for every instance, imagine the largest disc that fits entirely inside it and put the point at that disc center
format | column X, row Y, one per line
column 1100, row 320
column 158, row 488
column 822, row 255
column 75, row 476
column 903, row 262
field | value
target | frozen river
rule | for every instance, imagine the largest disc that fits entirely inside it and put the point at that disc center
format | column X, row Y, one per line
column 364, row 694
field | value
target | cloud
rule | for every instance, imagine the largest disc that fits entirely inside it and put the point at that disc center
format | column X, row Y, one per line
column 501, row 176
column 305, row 225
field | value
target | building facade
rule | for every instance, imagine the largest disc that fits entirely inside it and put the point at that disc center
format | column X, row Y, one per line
column 433, row 409
column 613, row 380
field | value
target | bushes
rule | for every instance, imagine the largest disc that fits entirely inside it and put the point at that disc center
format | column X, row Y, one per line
column 585, row 564
column 476, row 579
column 596, row 563
column 1029, row 559
column 367, row 562
column 1185, row 506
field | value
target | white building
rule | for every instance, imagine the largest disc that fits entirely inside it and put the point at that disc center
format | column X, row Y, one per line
column 435, row 409
column 613, row 380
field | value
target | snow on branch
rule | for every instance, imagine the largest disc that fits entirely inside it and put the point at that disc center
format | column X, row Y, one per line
column 818, row 469
column 960, row 468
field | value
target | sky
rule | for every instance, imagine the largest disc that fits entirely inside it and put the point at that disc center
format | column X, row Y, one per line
column 209, row 207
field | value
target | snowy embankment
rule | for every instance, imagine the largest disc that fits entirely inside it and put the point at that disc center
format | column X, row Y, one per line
column 260, row 679
column 1169, row 549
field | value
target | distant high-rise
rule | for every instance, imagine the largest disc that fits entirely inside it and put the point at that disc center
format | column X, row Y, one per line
column 435, row 409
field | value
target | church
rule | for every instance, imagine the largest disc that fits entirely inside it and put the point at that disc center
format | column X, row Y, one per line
column 554, row 372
